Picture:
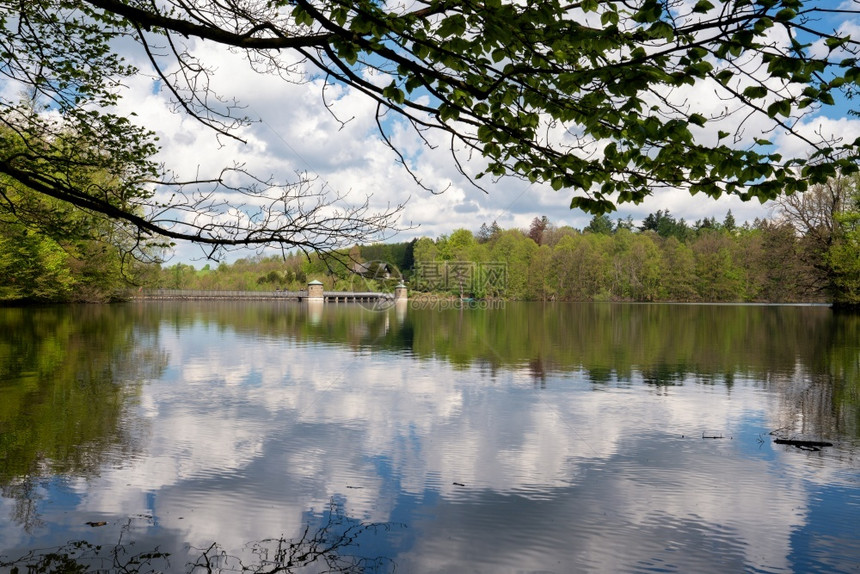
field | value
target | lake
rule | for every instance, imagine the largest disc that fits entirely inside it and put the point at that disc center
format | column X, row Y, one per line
column 515, row 437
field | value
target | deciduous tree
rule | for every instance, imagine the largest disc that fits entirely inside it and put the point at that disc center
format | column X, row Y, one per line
column 537, row 228
column 826, row 218
column 593, row 97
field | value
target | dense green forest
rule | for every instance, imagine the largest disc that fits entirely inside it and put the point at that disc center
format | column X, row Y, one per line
column 52, row 251
column 808, row 252
column 711, row 261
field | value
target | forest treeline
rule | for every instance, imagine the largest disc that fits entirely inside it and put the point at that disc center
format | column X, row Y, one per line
column 662, row 259
column 808, row 252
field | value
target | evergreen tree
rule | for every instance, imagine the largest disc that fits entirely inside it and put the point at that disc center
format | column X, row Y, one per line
column 599, row 224
column 729, row 222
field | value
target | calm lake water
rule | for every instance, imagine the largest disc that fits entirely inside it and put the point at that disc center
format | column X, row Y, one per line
column 212, row 437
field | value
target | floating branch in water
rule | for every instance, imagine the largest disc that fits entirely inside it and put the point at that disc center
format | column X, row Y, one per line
column 808, row 444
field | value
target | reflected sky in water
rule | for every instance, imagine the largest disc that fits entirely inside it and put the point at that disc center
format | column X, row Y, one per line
column 571, row 440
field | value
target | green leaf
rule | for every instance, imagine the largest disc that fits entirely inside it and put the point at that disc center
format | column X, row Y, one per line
column 610, row 152
column 702, row 6
column 697, row 119
column 413, row 83
column 762, row 24
column 661, row 29
column 348, row 52
column 592, row 206
column 785, row 15
column 834, row 43
column 339, row 15
column 454, row 25
column 393, row 93
column 650, row 11
column 780, row 108
column 447, row 112
column 485, row 133
column 755, row 92
column 609, row 17
column 302, row 17
column 723, row 76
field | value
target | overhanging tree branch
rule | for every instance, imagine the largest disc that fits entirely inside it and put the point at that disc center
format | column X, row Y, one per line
column 594, row 97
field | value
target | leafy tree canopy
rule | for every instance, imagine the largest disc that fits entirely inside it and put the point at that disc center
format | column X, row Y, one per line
column 599, row 224
column 595, row 97
column 827, row 218
column 52, row 251
column 665, row 225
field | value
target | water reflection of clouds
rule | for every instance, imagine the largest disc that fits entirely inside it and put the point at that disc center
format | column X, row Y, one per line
column 376, row 430
column 614, row 520
column 10, row 531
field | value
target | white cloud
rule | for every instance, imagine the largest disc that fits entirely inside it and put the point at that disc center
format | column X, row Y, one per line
column 849, row 27
column 818, row 129
column 295, row 132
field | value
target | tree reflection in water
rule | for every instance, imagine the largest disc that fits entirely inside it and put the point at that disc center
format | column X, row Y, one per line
column 331, row 547
column 69, row 379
